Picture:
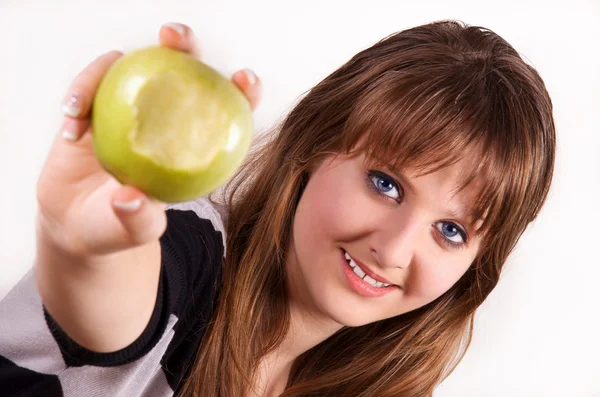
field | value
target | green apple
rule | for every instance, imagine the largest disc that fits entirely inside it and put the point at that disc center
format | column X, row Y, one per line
column 170, row 125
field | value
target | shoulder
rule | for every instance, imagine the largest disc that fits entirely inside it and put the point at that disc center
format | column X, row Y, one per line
column 204, row 209
column 193, row 246
column 196, row 211
column 193, row 249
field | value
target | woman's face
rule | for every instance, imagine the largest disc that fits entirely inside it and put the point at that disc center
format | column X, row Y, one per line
column 410, row 232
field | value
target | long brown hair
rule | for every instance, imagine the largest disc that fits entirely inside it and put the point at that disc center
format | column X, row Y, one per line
column 420, row 98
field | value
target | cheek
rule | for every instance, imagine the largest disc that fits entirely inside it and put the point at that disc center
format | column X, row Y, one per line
column 435, row 275
column 329, row 208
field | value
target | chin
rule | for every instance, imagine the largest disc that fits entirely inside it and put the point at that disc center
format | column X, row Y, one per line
column 347, row 309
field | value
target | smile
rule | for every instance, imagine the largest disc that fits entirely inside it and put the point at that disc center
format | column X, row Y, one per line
column 362, row 274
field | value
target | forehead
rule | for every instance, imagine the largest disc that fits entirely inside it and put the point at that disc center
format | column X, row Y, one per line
column 448, row 185
column 455, row 179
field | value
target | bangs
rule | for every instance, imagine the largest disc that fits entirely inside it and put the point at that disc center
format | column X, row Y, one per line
column 426, row 123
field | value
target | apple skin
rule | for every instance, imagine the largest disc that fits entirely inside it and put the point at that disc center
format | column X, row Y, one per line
column 113, row 118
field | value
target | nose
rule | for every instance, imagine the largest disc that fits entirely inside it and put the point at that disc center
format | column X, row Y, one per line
column 395, row 244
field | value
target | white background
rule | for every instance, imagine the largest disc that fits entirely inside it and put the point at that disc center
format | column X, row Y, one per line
column 537, row 334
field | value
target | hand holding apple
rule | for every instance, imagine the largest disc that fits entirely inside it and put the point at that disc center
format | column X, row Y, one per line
column 84, row 210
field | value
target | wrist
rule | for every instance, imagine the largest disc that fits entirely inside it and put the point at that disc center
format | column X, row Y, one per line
column 56, row 247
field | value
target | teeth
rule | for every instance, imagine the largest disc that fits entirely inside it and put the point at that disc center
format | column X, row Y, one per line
column 370, row 280
column 360, row 273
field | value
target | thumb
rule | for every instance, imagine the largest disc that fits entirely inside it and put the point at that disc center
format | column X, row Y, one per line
column 143, row 219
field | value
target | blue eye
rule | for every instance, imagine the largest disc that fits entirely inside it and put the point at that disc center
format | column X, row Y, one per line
column 384, row 184
column 453, row 234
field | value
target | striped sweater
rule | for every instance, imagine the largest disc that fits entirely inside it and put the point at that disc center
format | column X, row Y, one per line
column 37, row 358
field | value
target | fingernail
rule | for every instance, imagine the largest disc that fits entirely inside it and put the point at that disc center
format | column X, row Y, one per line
column 250, row 76
column 179, row 28
column 129, row 206
column 72, row 105
column 69, row 135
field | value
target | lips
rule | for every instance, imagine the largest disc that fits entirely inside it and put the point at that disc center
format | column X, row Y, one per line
column 362, row 283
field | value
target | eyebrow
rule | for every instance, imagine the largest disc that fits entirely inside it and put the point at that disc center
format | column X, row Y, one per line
column 403, row 179
column 463, row 211
column 400, row 175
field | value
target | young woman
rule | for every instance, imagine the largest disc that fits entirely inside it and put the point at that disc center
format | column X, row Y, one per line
column 346, row 258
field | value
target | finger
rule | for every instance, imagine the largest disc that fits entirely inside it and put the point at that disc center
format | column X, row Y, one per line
column 73, row 129
column 79, row 98
column 179, row 37
column 143, row 219
column 250, row 84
